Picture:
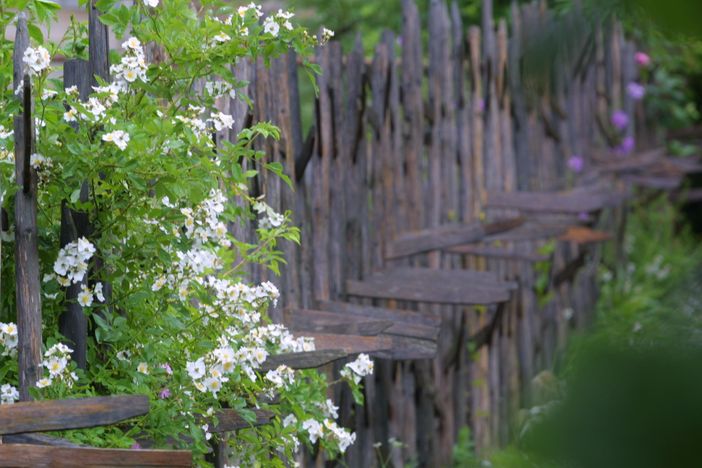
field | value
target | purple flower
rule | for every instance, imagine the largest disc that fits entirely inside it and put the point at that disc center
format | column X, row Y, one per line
column 135, row 446
column 626, row 146
column 620, row 120
column 167, row 368
column 642, row 59
column 636, row 91
column 576, row 163
column 164, row 393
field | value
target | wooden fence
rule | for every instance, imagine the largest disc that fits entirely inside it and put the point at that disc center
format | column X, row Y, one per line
column 429, row 187
column 425, row 191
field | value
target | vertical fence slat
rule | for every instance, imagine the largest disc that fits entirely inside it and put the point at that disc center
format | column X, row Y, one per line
column 26, row 243
column 73, row 323
column 98, row 46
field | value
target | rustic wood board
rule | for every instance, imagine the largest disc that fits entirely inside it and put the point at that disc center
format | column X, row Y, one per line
column 25, row 455
column 305, row 359
column 530, row 231
column 50, row 415
column 655, row 182
column 633, row 163
column 432, row 286
column 559, row 202
column 320, row 321
column 404, row 348
column 496, row 252
column 350, row 344
column 408, row 323
column 402, row 345
column 446, row 236
column 38, row 439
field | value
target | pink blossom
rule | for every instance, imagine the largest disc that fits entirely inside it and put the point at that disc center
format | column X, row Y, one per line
column 636, row 91
column 135, row 446
column 620, row 120
column 164, row 393
column 167, row 368
column 576, row 163
column 642, row 59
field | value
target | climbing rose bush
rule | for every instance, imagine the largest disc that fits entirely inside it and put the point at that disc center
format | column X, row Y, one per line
column 161, row 276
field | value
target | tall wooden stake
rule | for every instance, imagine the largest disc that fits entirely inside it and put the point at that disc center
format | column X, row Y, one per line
column 26, row 251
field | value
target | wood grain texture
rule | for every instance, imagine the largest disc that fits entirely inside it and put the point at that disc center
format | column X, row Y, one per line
column 27, row 286
column 23, row 455
column 328, row 322
column 73, row 323
column 497, row 252
column 98, row 46
column 404, row 322
column 556, row 202
column 446, row 236
column 432, row 286
column 51, row 415
column 37, row 439
column 350, row 344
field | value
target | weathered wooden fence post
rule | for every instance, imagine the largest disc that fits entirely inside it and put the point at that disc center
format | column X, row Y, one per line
column 73, row 323
column 26, row 249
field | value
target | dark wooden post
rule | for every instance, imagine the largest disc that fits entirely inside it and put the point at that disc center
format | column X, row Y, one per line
column 26, row 251
column 73, row 323
column 98, row 46
column 98, row 66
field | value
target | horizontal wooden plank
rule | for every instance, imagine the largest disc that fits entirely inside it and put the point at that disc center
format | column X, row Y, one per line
column 351, row 344
column 576, row 201
column 305, row 359
column 52, row 415
column 231, row 420
column 445, row 236
column 497, row 252
column 530, row 231
column 655, row 182
column 636, row 162
column 405, row 348
column 38, row 438
column 433, row 286
column 407, row 323
column 320, row 321
column 25, row 455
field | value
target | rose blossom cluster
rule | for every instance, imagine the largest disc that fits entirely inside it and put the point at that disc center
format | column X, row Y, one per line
column 316, row 430
column 133, row 66
column 72, row 261
column 8, row 339
column 55, row 361
column 269, row 218
column 361, row 367
column 8, row 394
column 36, row 60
